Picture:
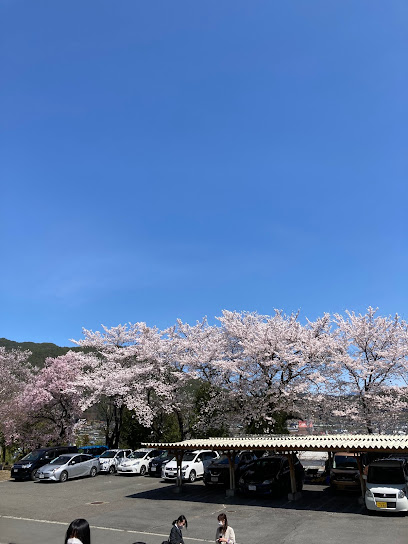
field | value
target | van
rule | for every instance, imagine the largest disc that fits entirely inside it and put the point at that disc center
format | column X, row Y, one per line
column 344, row 472
column 28, row 466
column 386, row 485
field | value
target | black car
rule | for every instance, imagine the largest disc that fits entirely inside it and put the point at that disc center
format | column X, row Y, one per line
column 218, row 472
column 270, row 476
column 27, row 467
column 156, row 464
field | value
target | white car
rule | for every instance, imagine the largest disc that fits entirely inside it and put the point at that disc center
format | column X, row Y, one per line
column 387, row 485
column 110, row 459
column 138, row 461
column 192, row 465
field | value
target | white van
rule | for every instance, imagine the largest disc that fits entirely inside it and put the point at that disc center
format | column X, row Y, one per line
column 192, row 466
column 387, row 485
column 110, row 459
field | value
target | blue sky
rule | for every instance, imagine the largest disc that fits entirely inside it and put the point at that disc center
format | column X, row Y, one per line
column 164, row 160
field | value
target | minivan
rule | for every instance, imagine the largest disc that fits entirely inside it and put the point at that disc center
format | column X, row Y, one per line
column 386, row 488
column 27, row 467
column 344, row 472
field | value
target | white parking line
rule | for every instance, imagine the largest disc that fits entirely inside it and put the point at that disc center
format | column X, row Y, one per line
column 103, row 528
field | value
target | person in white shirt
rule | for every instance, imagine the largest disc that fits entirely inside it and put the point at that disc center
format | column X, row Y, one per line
column 78, row 532
column 224, row 533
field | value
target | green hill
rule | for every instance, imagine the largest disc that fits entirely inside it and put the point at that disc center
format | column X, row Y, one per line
column 40, row 351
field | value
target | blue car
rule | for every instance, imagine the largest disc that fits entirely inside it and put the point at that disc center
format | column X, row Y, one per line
column 95, row 451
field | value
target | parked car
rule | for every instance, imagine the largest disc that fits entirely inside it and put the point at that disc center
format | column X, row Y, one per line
column 27, row 467
column 95, row 450
column 137, row 462
column 192, row 465
column 386, row 485
column 110, row 459
column 157, row 463
column 70, row 465
column 218, row 472
column 316, row 466
column 344, row 472
column 270, row 476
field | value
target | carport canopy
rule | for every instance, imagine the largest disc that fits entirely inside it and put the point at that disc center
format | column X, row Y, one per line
column 288, row 445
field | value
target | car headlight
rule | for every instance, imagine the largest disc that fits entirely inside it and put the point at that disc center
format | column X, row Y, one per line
column 184, row 468
column 54, row 471
column 401, row 494
column 267, row 482
column 136, row 463
column 28, row 465
column 369, row 493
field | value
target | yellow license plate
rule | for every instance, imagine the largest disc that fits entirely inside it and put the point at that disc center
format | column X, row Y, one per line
column 381, row 504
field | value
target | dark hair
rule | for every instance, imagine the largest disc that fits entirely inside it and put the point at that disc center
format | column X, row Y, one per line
column 223, row 517
column 181, row 518
column 79, row 528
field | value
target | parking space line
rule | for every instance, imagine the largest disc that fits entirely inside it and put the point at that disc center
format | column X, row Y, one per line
column 130, row 531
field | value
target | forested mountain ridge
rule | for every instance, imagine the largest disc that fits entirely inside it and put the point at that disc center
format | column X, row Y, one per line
column 39, row 351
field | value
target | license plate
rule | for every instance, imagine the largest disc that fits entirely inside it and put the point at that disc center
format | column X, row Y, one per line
column 252, row 487
column 153, row 469
column 15, row 470
column 381, row 504
column 214, row 478
column 41, row 475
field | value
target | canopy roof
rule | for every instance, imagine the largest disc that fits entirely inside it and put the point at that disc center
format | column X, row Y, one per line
column 343, row 442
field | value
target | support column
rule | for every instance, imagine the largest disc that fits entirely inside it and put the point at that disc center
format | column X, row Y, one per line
column 362, row 481
column 294, row 495
column 179, row 479
column 231, row 461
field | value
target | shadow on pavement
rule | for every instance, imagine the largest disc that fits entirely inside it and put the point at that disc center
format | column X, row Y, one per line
column 314, row 498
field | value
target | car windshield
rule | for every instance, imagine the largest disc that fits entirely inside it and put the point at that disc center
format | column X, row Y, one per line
column 108, row 454
column 385, row 475
column 345, row 461
column 223, row 460
column 165, row 455
column 32, row 456
column 61, row 460
column 138, row 454
column 189, row 456
column 267, row 468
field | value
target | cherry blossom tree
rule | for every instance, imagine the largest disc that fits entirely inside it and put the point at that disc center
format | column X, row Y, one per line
column 133, row 369
column 47, row 409
column 272, row 364
column 369, row 361
column 197, row 401
column 15, row 372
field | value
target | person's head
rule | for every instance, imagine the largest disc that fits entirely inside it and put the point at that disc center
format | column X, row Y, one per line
column 181, row 521
column 222, row 522
column 79, row 528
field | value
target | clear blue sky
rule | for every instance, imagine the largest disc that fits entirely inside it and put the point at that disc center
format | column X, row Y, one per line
column 172, row 159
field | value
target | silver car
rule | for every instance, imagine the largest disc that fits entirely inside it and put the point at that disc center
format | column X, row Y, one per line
column 69, row 465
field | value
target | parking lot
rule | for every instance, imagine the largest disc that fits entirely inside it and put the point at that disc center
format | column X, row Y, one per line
column 126, row 509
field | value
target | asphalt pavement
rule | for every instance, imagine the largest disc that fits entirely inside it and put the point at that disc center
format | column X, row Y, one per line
column 126, row 509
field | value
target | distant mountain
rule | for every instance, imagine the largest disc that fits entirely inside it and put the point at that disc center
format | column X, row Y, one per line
column 39, row 351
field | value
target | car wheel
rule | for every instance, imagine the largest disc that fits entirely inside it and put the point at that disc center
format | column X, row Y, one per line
column 64, row 476
column 112, row 469
column 93, row 472
column 192, row 476
column 142, row 470
column 34, row 474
